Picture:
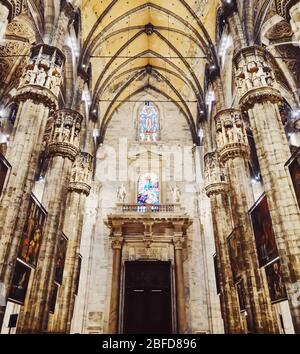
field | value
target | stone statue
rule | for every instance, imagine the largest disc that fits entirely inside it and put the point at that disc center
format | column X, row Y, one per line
column 41, row 77
column 121, row 194
column 176, row 194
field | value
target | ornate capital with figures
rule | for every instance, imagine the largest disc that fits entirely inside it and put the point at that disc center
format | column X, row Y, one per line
column 117, row 242
column 63, row 139
column 215, row 179
column 178, row 242
column 255, row 77
column 81, row 174
column 42, row 76
column 231, row 134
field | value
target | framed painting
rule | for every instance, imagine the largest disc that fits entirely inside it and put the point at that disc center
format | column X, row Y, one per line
column 217, row 274
column 294, row 168
column 4, row 171
column 33, row 232
column 263, row 232
column 60, row 258
column 240, row 288
column 276, row 284
column 235, row 255
column 78, row 274
column 20, row 283
column 53, row 298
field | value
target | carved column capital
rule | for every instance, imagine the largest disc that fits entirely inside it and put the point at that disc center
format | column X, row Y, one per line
column 255, row 77
column 81, row 174
column 117, row 242
column 64, row 136
column 178, row 242
column 215, row 179
column 231, row 134
column 42, row 76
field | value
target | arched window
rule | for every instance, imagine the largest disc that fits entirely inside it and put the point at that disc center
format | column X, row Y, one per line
column 148, row 189
column 148, row 123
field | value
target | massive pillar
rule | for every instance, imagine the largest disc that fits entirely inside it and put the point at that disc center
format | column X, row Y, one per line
column 62, row 148
column 217, row 190
column 117, row 245
column 233, row 150
column 36, row 96
column 261, row 99
column 178, row 241
column 79, row 189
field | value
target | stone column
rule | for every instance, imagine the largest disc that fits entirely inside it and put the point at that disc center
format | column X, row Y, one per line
column 233, row 149
column 178, row 241
column 62, row 148
column 117, row 245
column 66, row 15
column 294, row 13
column 36, row 96
column 217, row 190
column 260, row 97
column 79, row 189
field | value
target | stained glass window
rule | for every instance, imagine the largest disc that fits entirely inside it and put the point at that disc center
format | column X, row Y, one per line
column 148, row 127
column 148, row 189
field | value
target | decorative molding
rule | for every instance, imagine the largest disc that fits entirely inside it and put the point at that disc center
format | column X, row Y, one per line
column 231, row 135
column 81, row 174
column 215, row 179
column 63, row 140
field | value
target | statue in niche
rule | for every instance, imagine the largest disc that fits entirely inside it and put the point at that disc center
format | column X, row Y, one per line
column 121, row 194
column 41, row 77
column 230, row 136
column 176, row 194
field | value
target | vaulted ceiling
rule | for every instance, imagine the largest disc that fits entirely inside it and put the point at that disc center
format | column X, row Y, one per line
column 160, row 46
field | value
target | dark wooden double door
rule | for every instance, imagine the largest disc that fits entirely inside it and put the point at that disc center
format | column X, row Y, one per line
column 147, row 305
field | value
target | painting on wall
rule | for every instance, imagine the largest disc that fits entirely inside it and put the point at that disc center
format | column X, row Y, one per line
column 33, row 233
column 240, row 287
column 78, row 275
column 217, row 274
column 60, row 259
column 4, row 169
column 263, row 232
column 294, row 169
column 53, row 298
column 275, row 282
column 20, row 283
column 235, row 255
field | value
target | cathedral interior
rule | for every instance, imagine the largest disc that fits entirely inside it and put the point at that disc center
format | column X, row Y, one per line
column 150, row 166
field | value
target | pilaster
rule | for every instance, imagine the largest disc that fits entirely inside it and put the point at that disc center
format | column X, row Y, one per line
column 117, row 241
